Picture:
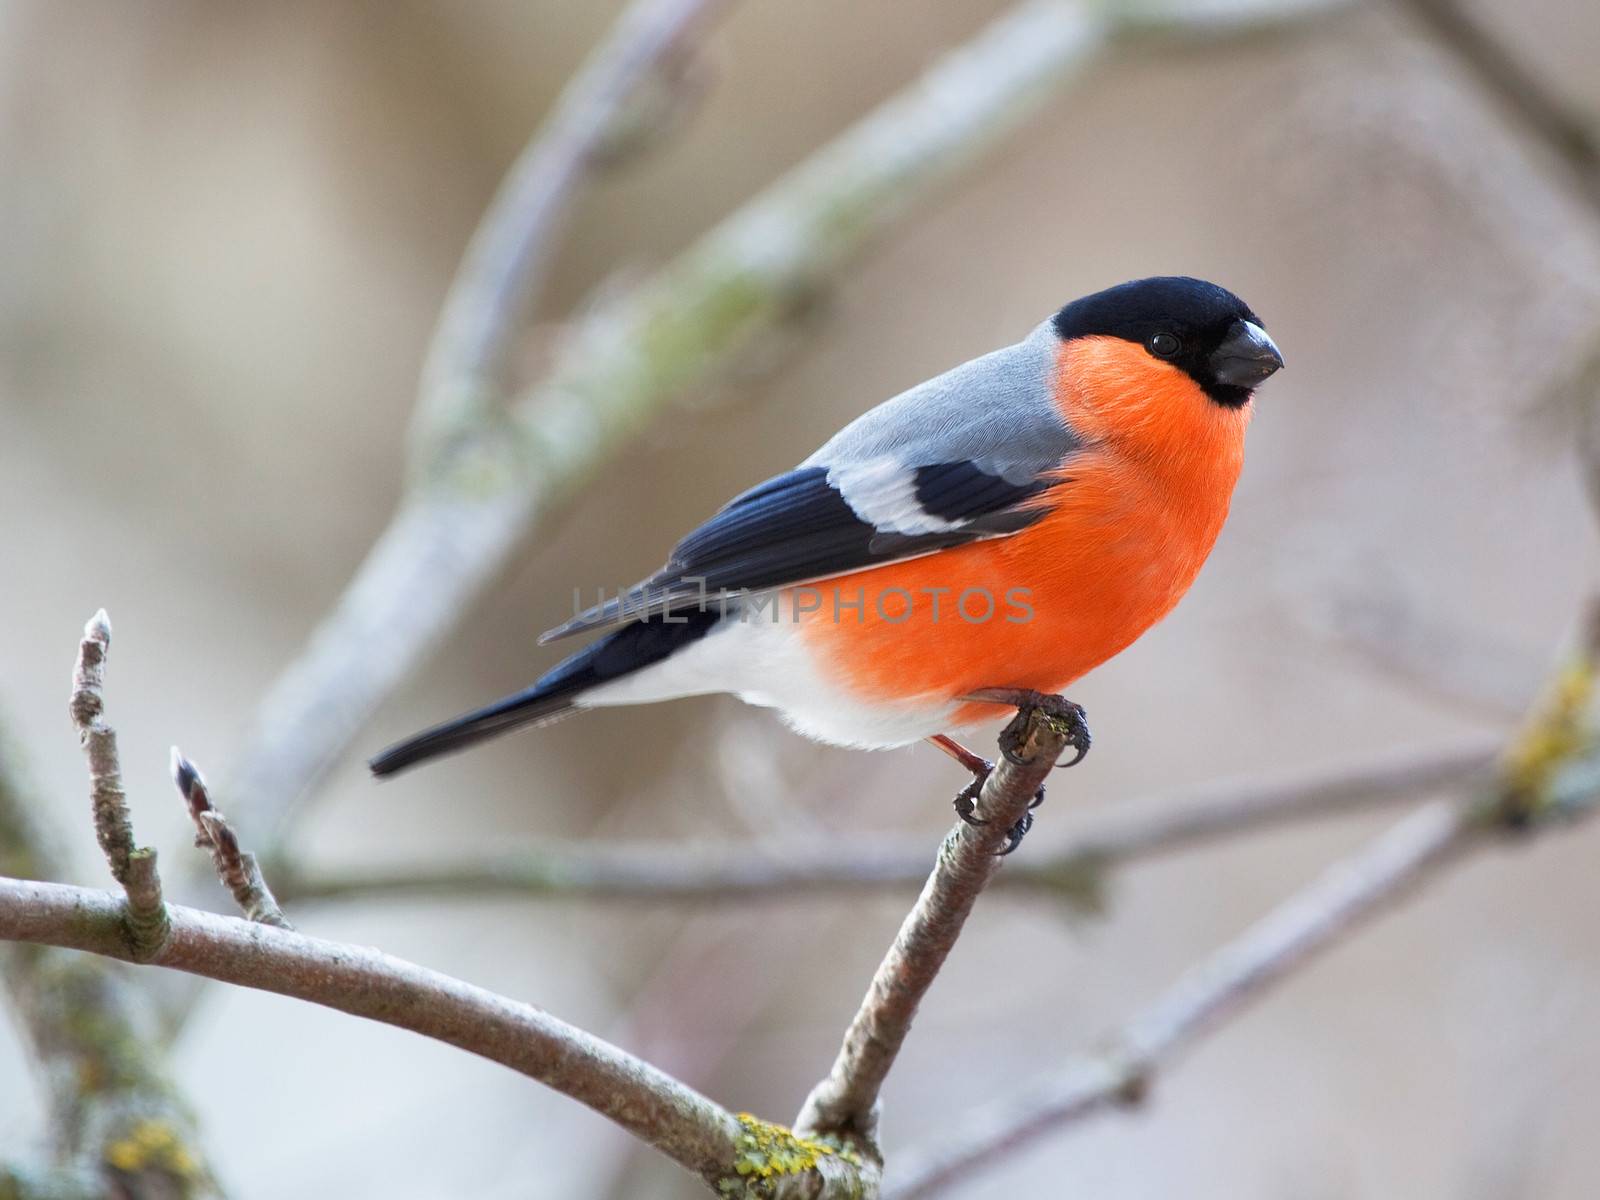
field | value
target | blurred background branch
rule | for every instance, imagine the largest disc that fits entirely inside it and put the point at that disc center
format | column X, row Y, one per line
column 821, row 864
column 464, row 380
column 452, row 534
column 1520, row 90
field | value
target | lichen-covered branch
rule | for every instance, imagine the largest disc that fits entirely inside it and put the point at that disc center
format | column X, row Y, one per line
column 845, row 1103
column 1074, row 871
column 118, row 1124
column 1549, row 774
column 365, row 982
column 236, row 867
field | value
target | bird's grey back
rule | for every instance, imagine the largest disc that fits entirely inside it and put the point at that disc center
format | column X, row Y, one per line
column 996, row 411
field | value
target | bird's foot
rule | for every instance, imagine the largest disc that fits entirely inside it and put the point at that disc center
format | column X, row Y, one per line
column 966, row 804
column 1017, row 832
column 966, row 801
column 1067, row 718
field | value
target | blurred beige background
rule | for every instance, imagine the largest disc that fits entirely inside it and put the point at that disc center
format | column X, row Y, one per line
column 225, row 230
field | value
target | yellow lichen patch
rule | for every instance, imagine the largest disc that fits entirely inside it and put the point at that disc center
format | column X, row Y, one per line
column 91, row 1076
column 1556, row 734
column 768, row 1152
column 151, row 1145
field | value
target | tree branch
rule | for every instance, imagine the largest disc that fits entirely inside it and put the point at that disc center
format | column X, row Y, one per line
column 1550, row 774
column 738, row 1156
column 821, row 866
column 727, row 1151
column 116, row 1117
column 845, row 1103
column 1209, row 993
column 508, row 257
column 368, row 983
column 1557, row 124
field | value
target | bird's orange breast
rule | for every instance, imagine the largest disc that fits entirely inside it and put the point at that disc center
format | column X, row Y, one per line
column 1129, row 526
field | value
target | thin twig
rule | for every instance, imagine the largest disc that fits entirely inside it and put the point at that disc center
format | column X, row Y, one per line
column 236, row 868
column 820, row 865
column 845, row 1102
column 112, row 828
column 508, row 257
column 134, row 867
column 1550, row 774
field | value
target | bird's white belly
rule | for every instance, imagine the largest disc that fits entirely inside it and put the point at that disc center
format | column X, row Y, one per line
column 768, row 663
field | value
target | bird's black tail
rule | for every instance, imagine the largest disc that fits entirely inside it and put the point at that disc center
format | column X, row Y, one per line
column 524, row 708
column 617, row 654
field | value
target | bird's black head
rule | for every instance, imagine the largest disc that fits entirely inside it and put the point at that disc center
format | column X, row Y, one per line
column 1203, row 329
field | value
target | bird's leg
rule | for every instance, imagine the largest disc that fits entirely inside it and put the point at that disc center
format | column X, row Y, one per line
column 975, row 763
column 1063, row 713
column 966, row 801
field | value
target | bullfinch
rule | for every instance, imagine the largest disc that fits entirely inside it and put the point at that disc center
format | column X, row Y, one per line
column 984, row 538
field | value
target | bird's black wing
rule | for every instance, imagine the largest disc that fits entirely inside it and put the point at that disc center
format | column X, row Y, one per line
column 816, row 522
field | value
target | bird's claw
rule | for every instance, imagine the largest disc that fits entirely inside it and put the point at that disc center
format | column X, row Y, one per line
column 966, row 802
column 966, row 805
column 1017, row 832
column 1067, row 718
column 1076, row 727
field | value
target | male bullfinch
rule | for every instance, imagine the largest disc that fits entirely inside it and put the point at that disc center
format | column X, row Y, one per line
column 985, row 538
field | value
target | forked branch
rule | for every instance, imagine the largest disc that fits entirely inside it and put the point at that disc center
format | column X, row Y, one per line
column 1549, row 775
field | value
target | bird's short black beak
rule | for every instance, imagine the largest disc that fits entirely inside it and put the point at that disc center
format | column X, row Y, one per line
column 1246, row 356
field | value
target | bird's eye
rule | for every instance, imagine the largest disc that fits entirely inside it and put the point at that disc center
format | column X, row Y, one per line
column 1165, row 345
